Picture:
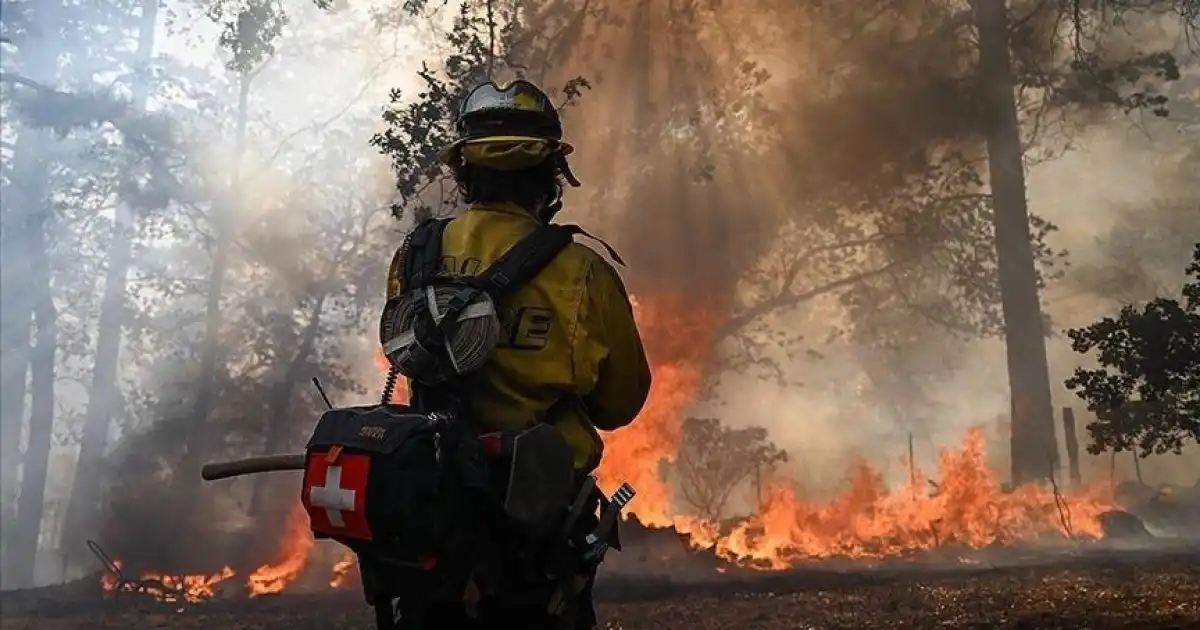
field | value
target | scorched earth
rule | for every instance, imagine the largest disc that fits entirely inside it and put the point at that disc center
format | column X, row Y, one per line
column 1097, row 590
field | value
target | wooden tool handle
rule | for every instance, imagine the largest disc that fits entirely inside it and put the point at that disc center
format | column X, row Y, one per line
column 252, row 465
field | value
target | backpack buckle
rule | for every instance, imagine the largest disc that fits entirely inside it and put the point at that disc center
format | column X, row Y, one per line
column 458, row 303
column 499, row 281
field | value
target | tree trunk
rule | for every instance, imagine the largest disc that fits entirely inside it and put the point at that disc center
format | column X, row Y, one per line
column 1072, row 440
column 16, row 317
column 28, row 525
column 1034, row 452
column 25, row 212
column 279, row 426
column 200, row 441
column 104, row 393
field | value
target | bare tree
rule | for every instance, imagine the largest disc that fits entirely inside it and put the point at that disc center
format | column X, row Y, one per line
column 714, row 460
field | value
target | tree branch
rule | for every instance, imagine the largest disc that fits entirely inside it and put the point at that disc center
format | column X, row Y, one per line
column 787, row 298
column 16, row 79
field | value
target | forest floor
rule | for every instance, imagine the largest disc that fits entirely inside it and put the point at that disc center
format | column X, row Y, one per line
column 1134, row 590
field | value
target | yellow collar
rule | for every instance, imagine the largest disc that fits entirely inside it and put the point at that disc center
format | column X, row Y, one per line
column 505, row 207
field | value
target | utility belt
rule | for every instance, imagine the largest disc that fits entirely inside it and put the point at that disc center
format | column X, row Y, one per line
column 436, row 512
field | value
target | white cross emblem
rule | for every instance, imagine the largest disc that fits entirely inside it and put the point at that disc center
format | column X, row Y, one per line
column 332, row 496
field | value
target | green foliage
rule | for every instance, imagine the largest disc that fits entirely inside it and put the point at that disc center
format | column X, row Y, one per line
column 1146, row 394
column 251, row 28
column 1097, row 82
column 417, row 129
column 713, row 461
column 1130, row 81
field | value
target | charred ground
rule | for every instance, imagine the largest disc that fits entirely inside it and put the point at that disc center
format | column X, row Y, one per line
column 1094, row 588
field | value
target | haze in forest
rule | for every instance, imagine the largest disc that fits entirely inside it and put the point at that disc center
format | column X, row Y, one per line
column 715, row 145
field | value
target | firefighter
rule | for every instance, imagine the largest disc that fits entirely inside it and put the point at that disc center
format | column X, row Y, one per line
column 569, row 351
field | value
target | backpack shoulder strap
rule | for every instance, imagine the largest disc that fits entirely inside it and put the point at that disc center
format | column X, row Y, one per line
column 526, row 259
column 425, row 253
column 612, row 253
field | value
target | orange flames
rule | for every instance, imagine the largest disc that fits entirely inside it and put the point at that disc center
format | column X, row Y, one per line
column 966, row 509
column 294, row 553
column 293, row 556
column 963, row 507
column 341, row 571
column 676, row 337
column 191, row 589
column 969, row 509
column 400, row 393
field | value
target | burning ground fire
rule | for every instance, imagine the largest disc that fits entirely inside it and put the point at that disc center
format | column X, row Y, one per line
column 172, row 588
column 293, row 556
column 969, row 510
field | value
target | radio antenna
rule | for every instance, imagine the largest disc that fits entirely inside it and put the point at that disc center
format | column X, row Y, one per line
column 321, row 390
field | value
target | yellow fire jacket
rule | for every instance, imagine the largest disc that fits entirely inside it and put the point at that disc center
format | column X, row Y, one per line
column 570, row 352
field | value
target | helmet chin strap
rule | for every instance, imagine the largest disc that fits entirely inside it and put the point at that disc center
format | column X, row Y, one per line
column 546, row 214
column 565, row 169
column 554, row 205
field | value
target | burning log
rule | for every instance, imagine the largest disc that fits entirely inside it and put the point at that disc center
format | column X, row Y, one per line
column 168, row 589
column 291, row 567
column 118, row 583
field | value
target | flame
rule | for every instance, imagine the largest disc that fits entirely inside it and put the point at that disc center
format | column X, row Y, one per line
column 295, row 552
column 676, row 337
column 968, row 508
column 297, row 545
column 170, row 588
column 341, row 571
column 400, row 393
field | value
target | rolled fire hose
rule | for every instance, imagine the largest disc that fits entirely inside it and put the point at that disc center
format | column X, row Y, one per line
column 469, row 346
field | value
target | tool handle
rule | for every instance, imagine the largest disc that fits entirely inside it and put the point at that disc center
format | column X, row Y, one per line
column 213, row 471
column 608, row 518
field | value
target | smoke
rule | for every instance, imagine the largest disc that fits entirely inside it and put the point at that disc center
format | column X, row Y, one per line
column 720, row 143
column 742, row 118
column 300, row 207
column 721, row 139
column 1134, row 216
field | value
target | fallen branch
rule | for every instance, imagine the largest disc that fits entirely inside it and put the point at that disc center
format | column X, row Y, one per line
column 152, row 587
column 1060, row 502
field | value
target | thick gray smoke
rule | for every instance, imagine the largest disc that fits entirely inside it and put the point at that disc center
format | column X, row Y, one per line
column 278, row 175
column 726, row 142
column 806, row 171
